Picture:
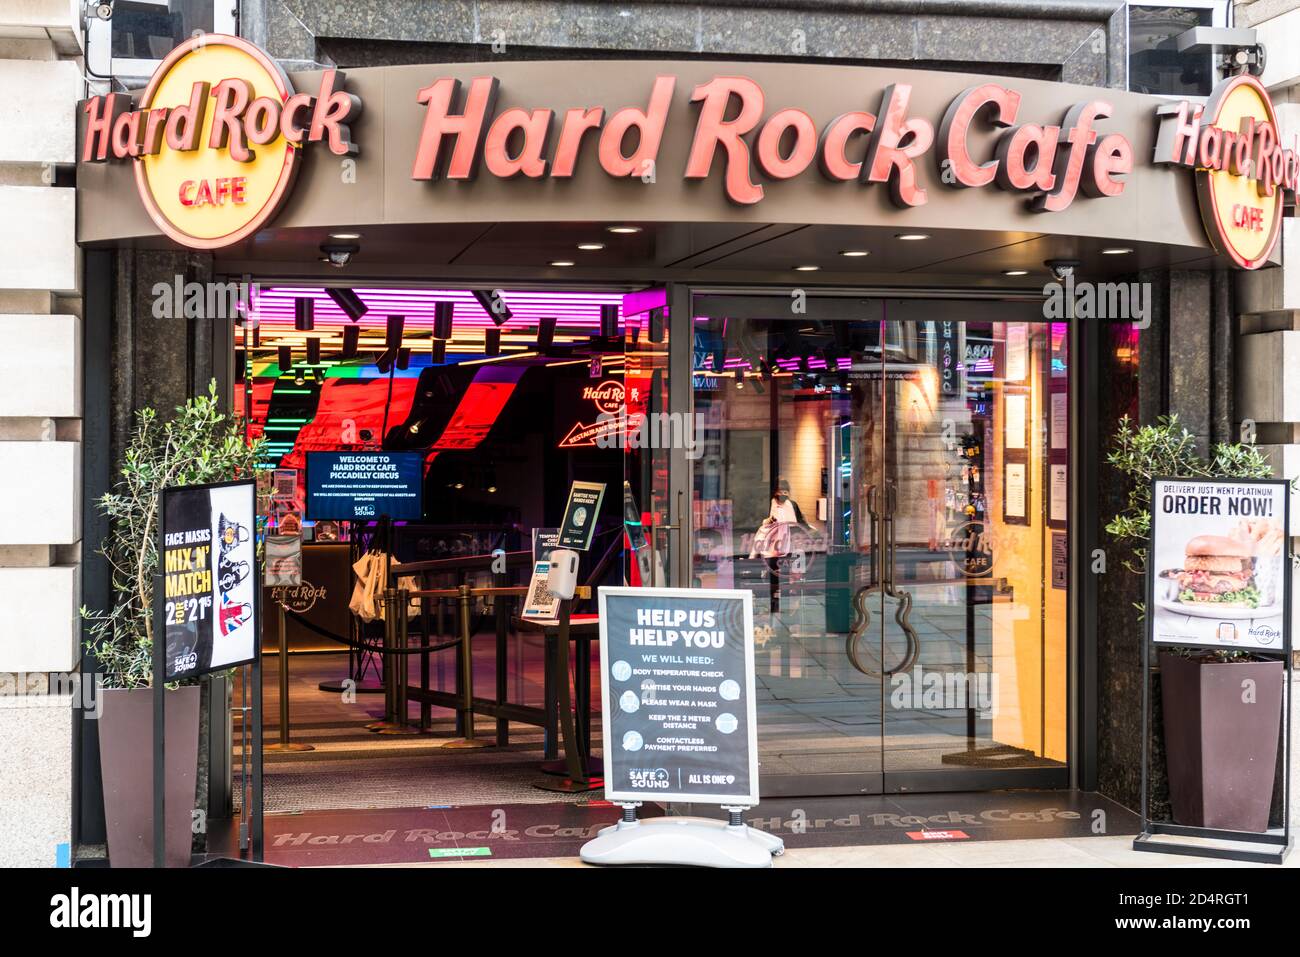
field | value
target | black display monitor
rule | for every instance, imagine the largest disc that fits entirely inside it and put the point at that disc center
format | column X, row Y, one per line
column 361, row 486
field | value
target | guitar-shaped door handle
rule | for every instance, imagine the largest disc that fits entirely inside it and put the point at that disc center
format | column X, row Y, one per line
column 887, row 589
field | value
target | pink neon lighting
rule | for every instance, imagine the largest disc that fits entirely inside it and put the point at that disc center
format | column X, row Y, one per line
column 572, row 311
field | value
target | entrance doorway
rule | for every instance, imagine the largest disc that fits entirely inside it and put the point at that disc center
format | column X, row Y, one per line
column 503, row 397
column 890, row 478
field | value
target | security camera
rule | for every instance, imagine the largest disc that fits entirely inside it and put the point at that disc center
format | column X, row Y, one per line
column 103, row 9
column 1062, row 269
column 1236, row 50
column 338, row 254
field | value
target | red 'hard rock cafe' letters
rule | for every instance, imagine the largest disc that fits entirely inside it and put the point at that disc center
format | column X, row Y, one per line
column 1052, row 163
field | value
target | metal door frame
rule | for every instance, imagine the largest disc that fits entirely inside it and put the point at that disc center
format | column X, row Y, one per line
column 681, row 485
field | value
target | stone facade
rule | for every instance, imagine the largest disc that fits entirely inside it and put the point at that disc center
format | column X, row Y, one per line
column 40, row 430
column 1268, row 303
column 1187, row 360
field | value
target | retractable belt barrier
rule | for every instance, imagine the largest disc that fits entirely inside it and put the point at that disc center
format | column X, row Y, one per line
column 396, row 645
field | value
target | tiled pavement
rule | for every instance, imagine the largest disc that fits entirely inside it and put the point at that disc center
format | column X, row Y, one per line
column 1104, row 852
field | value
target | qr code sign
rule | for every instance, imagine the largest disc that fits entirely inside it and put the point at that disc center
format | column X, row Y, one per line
column 542, row 594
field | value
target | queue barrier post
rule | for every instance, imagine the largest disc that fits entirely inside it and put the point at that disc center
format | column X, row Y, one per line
column 388, row 671
column 284, row 744
column 397, row 624
column 470, row 740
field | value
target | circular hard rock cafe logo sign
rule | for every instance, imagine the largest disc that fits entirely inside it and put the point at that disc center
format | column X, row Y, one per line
column 970, row 547
column 608, row 396
column 1233, row 203
column 215, row 137
column 1243, row 166
column 298, row 598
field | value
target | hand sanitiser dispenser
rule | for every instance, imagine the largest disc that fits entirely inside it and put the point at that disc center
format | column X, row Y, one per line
column 562, row 579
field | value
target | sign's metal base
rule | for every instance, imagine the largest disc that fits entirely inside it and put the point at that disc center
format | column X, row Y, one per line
column 468, row 744
column 340, row 685
column 698, row 841
column 289, row 746
column 570, row 785
column 1270, row 848
column 401, row 729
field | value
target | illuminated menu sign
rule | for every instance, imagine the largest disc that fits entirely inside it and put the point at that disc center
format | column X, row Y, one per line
column 208, row 561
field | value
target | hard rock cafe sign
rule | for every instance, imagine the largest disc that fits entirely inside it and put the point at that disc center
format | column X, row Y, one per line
column 215, row 137
column 608, row 400
column 970, row 547
column 298, row 598
column 1243, row 169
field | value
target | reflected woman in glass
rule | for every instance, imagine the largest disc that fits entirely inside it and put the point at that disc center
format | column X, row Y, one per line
column 772, row 541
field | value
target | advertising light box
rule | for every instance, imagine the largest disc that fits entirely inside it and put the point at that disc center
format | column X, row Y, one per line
column 208, row 561
column 362, row 486
column 1220, row 564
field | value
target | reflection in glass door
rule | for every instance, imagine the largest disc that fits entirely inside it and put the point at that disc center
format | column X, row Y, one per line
column 889, row 478
column 646, row 493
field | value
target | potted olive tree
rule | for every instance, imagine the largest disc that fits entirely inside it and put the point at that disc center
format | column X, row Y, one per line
column 198, row 444
column 1221, row 708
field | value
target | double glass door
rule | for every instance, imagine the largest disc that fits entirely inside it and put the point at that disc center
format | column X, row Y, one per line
column 889, row 478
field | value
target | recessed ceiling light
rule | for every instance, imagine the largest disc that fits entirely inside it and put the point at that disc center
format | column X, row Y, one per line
column 561, row 262
column 345, row 236
column 911, row 237
column 623, row 229
column 854, row 253
column 1116, row 250
column 1015, row 272
column 590, row 247
column 806, row 268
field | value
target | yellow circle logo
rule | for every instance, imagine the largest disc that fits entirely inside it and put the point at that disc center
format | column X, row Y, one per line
column 203, row 196
column 215, row 137
column 1244, row 168
column 1244, row 219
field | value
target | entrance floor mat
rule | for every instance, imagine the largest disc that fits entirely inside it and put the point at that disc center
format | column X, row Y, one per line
column 432, row 834
column 918, row 818
column 429, row 835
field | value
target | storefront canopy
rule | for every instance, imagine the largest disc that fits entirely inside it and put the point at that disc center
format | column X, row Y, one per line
column 729, row 169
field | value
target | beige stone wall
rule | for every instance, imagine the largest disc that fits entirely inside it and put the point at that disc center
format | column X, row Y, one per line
column 40, row 430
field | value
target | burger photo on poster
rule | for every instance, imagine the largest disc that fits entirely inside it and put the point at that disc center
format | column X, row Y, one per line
column 1231, row 571
column 1218, row 570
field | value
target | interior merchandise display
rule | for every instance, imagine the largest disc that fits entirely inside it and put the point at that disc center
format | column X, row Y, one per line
column 283, row 560
column 371, row 571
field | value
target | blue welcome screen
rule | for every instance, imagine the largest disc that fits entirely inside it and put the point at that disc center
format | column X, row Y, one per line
column 360, row 486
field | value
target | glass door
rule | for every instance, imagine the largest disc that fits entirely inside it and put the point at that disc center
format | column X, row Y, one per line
column 888, row 477
column 646, row 494
column 968, row 493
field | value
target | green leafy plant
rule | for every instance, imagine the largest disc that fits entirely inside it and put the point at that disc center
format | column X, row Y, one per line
column 1166, row 450
column 197, row 445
